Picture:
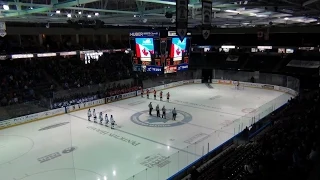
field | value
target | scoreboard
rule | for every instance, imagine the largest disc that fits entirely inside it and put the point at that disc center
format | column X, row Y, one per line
column 152, row 53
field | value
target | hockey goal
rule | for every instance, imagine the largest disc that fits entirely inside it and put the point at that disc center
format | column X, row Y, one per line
column 238, row 86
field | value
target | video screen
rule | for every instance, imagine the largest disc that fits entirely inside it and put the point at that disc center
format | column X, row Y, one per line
column 177, row 48
column 144, row 48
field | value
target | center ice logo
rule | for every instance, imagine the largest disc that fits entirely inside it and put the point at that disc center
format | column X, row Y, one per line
column 144, row 119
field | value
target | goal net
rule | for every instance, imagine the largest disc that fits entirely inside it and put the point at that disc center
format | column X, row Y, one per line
column 238, row 86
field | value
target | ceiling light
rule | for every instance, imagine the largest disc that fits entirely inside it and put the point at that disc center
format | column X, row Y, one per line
column 96, row 14
column 6, row 7
column 79, row 12
column 89, row 16
column 286, row 18
column 58, row 11
column 262, row 15
column 232, row 11
column 69, row 15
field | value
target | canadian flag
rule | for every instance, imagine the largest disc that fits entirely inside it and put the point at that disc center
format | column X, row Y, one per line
column 176, row 51
column 143, row 52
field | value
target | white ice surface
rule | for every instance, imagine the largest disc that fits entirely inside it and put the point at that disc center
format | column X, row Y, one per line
column 105, row 154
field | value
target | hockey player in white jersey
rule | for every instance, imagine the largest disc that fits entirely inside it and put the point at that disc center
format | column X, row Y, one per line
column 94, row 116
column 100, row 117
column 112, row 122
column 106, row 119
column 89, row 114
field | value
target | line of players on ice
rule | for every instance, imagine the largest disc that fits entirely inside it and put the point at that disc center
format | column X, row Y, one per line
column 174, row 112
column 155, row 94
column 107, row 120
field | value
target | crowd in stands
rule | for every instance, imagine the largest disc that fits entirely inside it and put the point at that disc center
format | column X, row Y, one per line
column 18, row 81
column 25, row 80
column 72, row 73
column 287, row 150
column 115, row 89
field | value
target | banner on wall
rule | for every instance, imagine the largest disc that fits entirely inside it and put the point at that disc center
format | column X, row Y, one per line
column 182, row 18
column 206, row 18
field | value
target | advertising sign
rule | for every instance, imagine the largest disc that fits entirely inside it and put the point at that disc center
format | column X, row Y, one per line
column 182, row 67
column 154, row 69
column 144, row 34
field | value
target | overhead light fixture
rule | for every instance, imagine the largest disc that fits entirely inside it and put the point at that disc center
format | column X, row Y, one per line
column 232, row 11
column 286, row 18
column 89, row 16
column 79, row 12
column 69, row 15
column 262, row 15
column 58, row 11
column 96, row 14
column 6, row 7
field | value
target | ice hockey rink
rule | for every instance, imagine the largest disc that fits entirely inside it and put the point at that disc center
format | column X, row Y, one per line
column 141, row 147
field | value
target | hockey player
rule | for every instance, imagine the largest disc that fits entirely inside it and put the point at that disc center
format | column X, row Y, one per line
column 164, row 112
column 94, row 116
column 158, row 110
column 106, row 119
column 150, row 108
column 112, row 122
column 89, row 115
column 168, row 96
column 100, row 117
column 148, row 93
column 141, row 92
column 174, row 114
column 154, row 94
column 160, row 95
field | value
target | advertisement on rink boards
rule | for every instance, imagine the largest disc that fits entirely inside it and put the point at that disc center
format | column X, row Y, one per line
column 228, row 82
column 266, row 86
column 254, row 85
column 85, row 105
column 31, row 117
column 121, row 96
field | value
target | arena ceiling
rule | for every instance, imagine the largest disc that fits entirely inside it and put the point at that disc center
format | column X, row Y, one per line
column 227, row 13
